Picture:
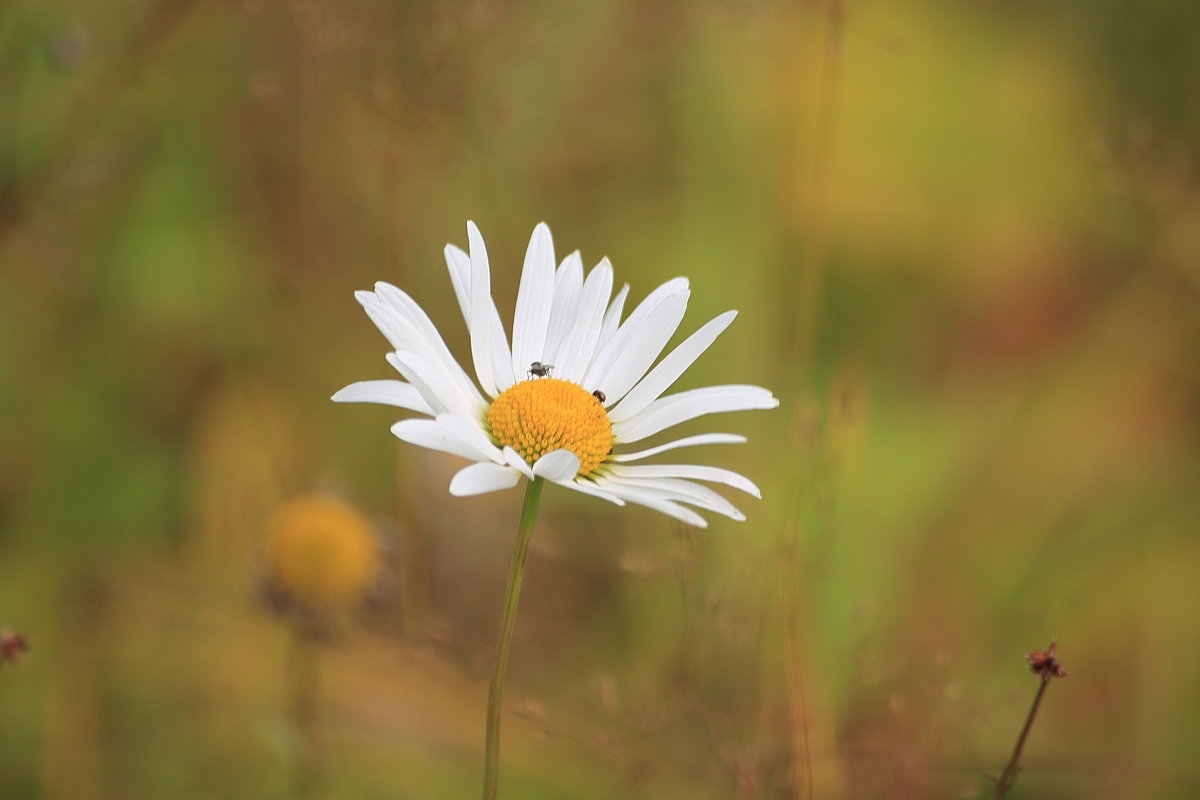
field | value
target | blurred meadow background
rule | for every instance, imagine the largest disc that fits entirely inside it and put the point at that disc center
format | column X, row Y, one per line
column 964, row 238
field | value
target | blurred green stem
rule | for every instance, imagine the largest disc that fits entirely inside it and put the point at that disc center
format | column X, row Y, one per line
column 491, row 769
column 304, row 677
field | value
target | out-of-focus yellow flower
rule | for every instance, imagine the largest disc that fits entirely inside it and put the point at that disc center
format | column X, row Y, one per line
column 321, row 553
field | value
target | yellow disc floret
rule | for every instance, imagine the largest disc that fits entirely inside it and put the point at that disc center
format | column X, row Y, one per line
column 537, row 416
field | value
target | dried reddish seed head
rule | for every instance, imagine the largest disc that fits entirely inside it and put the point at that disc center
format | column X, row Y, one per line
column 1045, row 663
column 12, row 645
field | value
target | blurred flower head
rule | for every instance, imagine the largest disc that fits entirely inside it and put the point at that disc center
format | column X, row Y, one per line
column 321, row 553
column 575, row 386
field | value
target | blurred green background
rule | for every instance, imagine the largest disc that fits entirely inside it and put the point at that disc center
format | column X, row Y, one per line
column 964, row 238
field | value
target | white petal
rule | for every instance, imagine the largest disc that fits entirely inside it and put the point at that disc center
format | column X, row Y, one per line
column 388, row 393
column 428, row 433
column 644, row 340
column 398, row 335
column 557, row 466
column 471, row 434
column 458, row 264
column 584, row 486
column 659, row 379
column 687, row 441
column 681, row 513
column 575, row 353
column 427, row 333
column 483, row 478
column 698, row 472
column 411, row 310
column 423, row 381
column 611, row 348
column 683, row 491
column 514, row 460
column 676, row 408
column 431, row 377
column 408, row 334
column 481, row 304
column 363, row 297
column 568, row 283
column 612, row 317
column 535, row 299
column 480, row 298
column 654, row 500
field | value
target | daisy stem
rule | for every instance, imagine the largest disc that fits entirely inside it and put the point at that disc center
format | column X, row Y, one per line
column 491, row 769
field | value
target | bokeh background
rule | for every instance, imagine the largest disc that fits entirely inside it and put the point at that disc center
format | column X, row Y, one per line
column 964, row 238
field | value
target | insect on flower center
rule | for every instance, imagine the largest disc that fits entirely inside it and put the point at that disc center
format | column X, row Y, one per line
column 537, row 416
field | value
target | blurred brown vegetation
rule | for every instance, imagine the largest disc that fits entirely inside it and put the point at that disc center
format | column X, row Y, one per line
column 965, row 241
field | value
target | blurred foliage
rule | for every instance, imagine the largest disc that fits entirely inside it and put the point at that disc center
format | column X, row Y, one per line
column 964, row 238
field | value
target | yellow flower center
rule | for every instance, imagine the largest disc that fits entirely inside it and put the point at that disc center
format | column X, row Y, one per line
column 536, row 416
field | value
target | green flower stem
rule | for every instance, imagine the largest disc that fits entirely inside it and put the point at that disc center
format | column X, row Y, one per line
column 303, row 670
column 491, row 769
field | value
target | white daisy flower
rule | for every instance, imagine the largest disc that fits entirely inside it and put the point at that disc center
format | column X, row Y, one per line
column 576, row 388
